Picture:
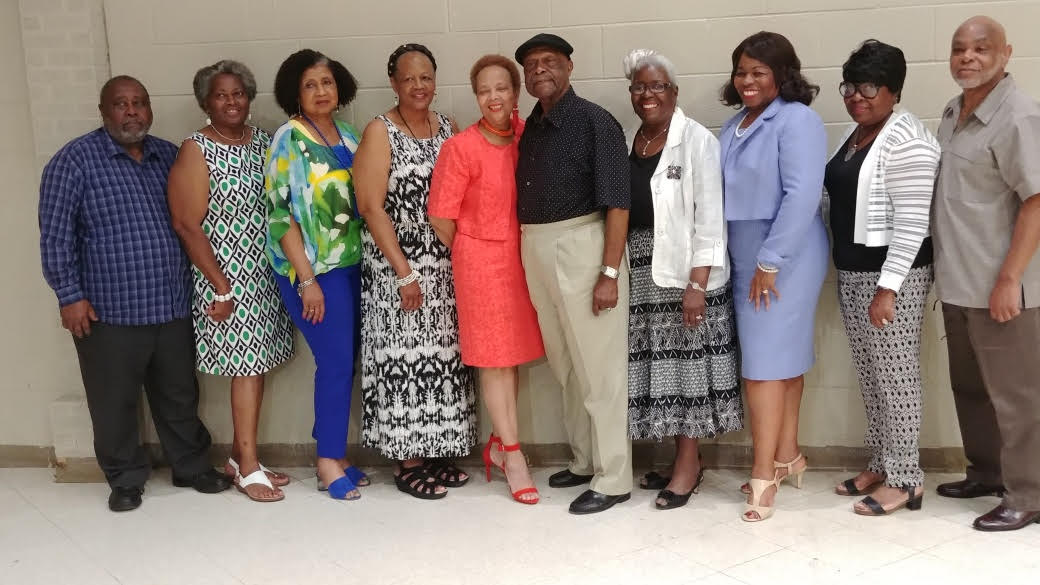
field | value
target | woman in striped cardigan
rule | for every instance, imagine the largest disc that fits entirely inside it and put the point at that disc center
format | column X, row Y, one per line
column 880, row 183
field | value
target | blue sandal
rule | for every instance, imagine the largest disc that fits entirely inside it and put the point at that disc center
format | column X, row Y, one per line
column 357, row 476
column 341, row 488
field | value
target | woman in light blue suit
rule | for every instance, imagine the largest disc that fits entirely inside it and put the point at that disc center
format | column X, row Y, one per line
column 773, row 155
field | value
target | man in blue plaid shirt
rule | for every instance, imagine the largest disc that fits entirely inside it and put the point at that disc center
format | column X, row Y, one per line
column 123, row 285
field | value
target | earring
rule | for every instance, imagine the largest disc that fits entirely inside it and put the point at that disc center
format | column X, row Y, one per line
column 249, row 116
column 396, row 102
column 208, row 121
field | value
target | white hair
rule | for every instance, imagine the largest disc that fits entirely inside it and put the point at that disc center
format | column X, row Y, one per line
column 638, row 59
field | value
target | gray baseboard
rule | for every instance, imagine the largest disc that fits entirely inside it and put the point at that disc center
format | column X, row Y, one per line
column 644, row 454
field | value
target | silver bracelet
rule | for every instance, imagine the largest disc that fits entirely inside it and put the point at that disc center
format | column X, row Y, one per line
column 768, row 269
column 413, row 276
column 697, row 287
column 223, row 298
column 304, row 284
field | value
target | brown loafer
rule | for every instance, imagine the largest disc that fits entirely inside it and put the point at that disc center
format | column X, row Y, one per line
column 1002, row 518
column 967, row 488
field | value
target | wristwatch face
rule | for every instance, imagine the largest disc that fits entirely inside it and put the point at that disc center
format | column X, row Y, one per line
column 609, row 271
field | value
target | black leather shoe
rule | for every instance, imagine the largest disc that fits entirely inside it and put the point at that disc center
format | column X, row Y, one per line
column 124, row 499
column 565, row 478
column 967, row 488
column 210, row 481
column 1002, row 518
column 590, row 502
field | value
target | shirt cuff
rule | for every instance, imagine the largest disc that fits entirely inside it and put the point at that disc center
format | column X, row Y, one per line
column 770, row 258
column 709, row 253
column 69, row 294
column 891, row 281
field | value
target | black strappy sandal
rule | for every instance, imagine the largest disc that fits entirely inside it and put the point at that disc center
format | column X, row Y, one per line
column 417, row 482
column 674, row 500
column 654, row 481
column 912, row 502
column 445, row 472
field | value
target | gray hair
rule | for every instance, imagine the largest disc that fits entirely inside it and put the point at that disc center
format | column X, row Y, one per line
column 638, row 59
column 204, row 78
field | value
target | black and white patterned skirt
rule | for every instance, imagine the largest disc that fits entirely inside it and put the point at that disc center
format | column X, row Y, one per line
column 680, row 381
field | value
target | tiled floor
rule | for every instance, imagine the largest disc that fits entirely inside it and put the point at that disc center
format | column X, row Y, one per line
column 63, row 534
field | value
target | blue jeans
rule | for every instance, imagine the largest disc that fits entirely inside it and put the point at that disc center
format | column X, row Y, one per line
column 334, row 343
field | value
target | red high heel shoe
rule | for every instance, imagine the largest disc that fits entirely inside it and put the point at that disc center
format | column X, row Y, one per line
column 492, row 441
column 522, row 491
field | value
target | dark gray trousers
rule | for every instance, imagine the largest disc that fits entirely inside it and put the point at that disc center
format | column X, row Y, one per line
column 115, row 362
column 995, row 374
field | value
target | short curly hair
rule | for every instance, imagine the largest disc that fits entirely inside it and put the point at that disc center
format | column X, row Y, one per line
column 778, row 54
column 204, row 79
column 877, row 63
column 495, row 61
column 287, row 80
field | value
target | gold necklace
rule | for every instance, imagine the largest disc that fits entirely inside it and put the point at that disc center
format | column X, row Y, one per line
column 647, row 142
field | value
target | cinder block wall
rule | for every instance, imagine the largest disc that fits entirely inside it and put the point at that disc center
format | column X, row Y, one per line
column 71, row 46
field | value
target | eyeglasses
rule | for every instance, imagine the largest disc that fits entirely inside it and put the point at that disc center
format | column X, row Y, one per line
column 655, row 87
column 868, row 90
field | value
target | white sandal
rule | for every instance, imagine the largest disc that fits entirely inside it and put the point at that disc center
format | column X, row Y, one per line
column 288, row 480
column 758, row 489
column 258, row 477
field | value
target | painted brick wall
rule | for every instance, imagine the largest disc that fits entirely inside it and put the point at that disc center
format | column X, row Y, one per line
column 163, row 43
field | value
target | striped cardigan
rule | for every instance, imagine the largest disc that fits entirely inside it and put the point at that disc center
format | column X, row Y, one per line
column 894, row 196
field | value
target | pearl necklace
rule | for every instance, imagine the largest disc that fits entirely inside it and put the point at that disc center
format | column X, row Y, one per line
column 647, row 142
column 239, row 139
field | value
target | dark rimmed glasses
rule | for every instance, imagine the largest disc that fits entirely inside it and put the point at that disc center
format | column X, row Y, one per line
column 867, row 89
column 655, row 87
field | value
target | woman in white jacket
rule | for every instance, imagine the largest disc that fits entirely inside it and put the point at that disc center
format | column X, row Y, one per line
column 682, row 372
column 880, row 183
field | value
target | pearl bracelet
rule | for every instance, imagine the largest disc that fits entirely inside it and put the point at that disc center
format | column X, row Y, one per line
column 413, row 276
column 223, row 298
column 768, row 269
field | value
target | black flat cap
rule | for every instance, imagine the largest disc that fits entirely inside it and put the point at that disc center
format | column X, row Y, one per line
column 543, row 40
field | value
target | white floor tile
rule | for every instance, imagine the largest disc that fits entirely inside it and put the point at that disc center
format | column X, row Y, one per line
column 64, row 533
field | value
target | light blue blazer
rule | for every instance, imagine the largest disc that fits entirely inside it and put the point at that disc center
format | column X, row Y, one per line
column 774, row 171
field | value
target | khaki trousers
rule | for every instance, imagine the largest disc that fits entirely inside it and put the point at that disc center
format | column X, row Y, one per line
column 588, row 355
column 995, row 375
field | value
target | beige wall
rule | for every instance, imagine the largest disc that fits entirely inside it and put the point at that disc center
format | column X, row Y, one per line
column 163, row 43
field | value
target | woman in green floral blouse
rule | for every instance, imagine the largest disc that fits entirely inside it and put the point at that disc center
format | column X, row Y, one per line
column 314, row 244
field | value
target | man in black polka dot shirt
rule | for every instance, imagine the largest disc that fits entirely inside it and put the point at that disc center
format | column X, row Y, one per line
column 572, row 200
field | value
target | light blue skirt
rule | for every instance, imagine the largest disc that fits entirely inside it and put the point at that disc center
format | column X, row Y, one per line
column 777, row 344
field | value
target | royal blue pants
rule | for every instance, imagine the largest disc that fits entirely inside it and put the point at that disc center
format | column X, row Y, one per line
column 334, row 342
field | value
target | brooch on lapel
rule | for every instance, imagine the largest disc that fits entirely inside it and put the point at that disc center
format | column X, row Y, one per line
column 674, row 171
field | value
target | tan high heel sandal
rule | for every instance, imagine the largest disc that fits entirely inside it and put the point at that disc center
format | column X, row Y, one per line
column 797, row 475
column 758, row 489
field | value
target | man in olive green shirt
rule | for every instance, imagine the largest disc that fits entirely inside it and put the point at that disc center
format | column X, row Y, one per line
column 986, row 229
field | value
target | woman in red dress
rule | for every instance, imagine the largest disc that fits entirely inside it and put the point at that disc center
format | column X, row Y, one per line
column 473, row 211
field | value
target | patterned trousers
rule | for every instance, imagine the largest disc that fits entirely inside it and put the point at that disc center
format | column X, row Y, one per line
column 888, row 364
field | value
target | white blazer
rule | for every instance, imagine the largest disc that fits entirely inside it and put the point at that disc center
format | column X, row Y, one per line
column 689, row 225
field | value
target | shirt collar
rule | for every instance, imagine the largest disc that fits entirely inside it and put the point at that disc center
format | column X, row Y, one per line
column 990, row 104
column 559, row 111
column 115, row 149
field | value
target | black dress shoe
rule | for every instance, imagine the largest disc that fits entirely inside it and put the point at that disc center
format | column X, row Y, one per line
column 565, row 478
column 590, row 502
column 210, row 481
column 967, row 488
column 124, row 499
column 1003, row 518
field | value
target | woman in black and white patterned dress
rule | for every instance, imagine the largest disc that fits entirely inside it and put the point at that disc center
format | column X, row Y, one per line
column 216, row 196
column 418, row 397
column 682, row 365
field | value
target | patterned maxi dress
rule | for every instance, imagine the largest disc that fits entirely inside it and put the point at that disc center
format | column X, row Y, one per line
column 418, row 397
column 258, row 335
